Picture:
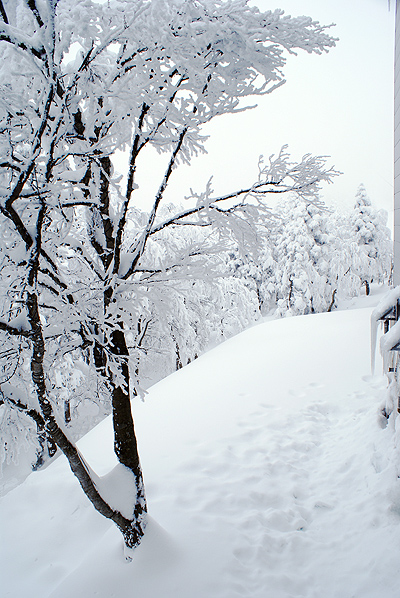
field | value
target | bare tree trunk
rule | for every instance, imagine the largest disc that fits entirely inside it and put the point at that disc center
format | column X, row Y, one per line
column 259, row 298
column 289, row 302
column 67, row 411
column 332, row 303
column 125, row 443
column 47, row 448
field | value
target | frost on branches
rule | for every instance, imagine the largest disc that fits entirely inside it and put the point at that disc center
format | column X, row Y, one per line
column 82, row 272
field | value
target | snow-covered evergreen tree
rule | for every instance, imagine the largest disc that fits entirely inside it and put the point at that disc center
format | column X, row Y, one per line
column 320, row 255
column 300, row 281
column 254, row 270
column 372, row 258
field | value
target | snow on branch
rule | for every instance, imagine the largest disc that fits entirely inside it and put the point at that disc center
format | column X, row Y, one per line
column 7, row 392
column 15, row 330
column 17, row 38
column 279, row 175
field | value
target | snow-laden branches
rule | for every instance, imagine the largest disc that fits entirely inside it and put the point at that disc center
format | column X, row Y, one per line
column 279, row 175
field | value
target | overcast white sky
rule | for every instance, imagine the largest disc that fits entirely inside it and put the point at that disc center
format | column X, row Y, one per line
column 339, row 104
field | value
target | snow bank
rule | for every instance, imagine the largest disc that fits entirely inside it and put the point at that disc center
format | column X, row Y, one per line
column 268, row 475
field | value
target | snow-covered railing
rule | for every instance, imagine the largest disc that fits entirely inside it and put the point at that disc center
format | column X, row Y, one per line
column 387, row 312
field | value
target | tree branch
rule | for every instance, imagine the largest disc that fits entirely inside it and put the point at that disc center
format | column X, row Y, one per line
column 3, row 12
column 141, row 243
column 256, row 190
column 32, row 5
column 13, row 215
column 14, row 331
column 35, row 147
column 136, row 147
column 8, row 164
column 8, row 34
column 32, row 413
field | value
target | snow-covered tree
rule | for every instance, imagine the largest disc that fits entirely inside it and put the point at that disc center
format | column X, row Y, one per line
column 254, row 271
column 295, row 274
column 320, row 255
column 343, row 257
column 372, row 255
column 299, row 280
column 80, row 81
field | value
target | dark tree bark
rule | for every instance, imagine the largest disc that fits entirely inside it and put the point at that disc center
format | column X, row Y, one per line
column 332, row 303
column 67, row 411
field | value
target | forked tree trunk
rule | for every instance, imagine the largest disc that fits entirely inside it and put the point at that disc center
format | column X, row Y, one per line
column 125, row 440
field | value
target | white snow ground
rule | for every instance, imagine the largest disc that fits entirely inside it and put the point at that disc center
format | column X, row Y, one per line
column 268, row 475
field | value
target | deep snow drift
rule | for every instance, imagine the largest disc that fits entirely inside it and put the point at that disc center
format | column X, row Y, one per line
column 269, row 474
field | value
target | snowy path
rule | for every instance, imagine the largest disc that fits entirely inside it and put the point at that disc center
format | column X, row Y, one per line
column 291, row 506
column 267, row 472
column 297, row 512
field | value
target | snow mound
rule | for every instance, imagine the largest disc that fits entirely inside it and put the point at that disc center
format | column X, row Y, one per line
column 269, row 474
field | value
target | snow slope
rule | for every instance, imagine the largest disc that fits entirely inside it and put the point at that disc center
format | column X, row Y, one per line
column 269, row 474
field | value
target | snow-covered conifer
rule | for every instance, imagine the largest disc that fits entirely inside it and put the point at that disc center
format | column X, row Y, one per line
column 300, row 278
column 374, row 249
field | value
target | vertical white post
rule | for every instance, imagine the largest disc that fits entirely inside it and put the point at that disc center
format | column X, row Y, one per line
column 396, row 278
